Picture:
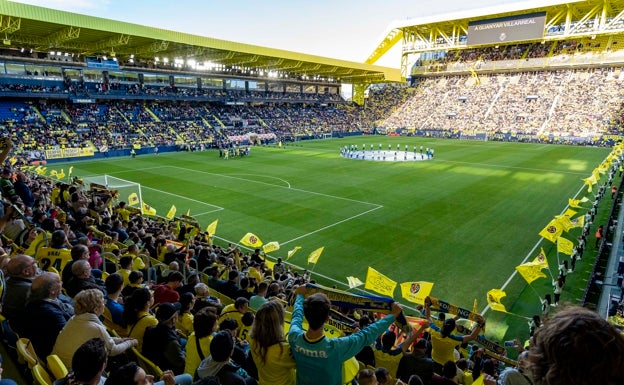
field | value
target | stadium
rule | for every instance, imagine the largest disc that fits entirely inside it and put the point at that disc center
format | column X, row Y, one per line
column 479, row 173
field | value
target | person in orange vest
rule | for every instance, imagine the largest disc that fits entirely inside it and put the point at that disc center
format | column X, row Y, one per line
column 599, row 235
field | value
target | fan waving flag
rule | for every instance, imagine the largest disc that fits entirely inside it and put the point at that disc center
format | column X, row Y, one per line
column 494, row 297
column 578, row 221
column 271, row 246
column 565, row 246
column 133, row 199
column 212, row 227
column 148, row 210
column 530, row 271
column 251, row 240
column 379, row 283
column 315, row 255
column 354, row 282
column 171, row 213
column 416, row 291
column 576, row 203
column 541, row 259
column 292, row 252
column 552, row 231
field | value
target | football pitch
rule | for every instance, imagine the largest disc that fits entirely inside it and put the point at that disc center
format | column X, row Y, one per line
column 463, row 220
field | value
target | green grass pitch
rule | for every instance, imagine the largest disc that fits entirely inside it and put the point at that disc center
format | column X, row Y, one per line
column 463, row 220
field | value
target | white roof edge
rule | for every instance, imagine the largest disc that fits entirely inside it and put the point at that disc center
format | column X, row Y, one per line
column 479, row 12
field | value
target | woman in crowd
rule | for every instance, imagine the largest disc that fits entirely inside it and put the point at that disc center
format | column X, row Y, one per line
column 269, row 348
column 88, row 307
column 137, row 314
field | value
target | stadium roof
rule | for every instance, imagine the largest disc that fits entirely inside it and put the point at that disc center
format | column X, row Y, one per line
column 606, row 16
column 44, row 29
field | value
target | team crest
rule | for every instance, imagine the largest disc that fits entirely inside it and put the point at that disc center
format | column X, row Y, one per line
column 551, row 229
column 415, row 288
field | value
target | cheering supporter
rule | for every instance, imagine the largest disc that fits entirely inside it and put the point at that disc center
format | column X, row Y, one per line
column 88, row 306
column 198, row 344
column 415, row 361
column 269, row 349
column 21, row 269
column 319, row 360
column 47, row 313
column 443, row 341
column 137, row 314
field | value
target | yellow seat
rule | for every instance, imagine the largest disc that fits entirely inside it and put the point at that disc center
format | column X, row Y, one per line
column 56, row 367
column 26, row 352
column 147, row 365
column 40, row 375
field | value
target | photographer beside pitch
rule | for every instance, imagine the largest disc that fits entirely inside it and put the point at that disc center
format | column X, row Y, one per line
column 319, row 359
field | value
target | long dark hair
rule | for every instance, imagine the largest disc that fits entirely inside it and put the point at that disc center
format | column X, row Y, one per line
column 135, row 303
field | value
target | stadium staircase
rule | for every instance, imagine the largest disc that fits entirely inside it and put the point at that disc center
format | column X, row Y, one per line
column 152, row 114
column 39, row 114
column 66, row 116
column 121, row 114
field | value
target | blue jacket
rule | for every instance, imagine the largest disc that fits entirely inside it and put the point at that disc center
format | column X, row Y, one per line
column 320, row 362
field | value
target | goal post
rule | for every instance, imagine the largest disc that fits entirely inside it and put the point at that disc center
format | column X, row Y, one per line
column 127, row 191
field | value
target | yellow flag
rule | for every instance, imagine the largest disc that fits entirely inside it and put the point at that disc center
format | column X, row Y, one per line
column 590, row 181
column 42, row 170
column 133, row 199
column 494, row 297
column 53, row 172
column 576, row 203
column 578, row 221
column 315, row 255
column 379, row 283
column 541, row 259
column 270, row 247
column 71, row 169
column 212, row 227
column 416, row 291
column 569, row 213
column 251, row 240
column 60, row 174
column 188, row 212
column 552, row 231
column 292, row 252
column 564, row 221
column 475, row 308
column 565, row 246
column 148, row 210
column 354, row 282
column 171, row 213
column 530, row 271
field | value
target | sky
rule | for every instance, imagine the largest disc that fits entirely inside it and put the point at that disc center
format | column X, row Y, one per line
column 340, row 29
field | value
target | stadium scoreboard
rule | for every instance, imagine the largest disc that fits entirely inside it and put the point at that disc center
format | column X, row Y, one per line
column 507, row 29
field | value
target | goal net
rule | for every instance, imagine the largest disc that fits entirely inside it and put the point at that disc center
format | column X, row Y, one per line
column 120, row 190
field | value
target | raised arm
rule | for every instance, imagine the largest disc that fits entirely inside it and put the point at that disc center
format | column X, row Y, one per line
column 413, row 335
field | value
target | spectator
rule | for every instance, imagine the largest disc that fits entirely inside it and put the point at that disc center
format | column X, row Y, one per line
column 269, row 349
column 22, row 269
column 114, row 309
column 184, row 325
column 204, row 299
column 132, row 374
column 161, row 343
column 88, row 306
column 82, row 279
column 219, row 363
column 198, row 344
column 260, row 298
column 87, row 365
column 137, row 316
column 45, row 308
column 416, row 362
column 569, row 343
column 167, row 292
column 443, row 340
column 321, row 362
